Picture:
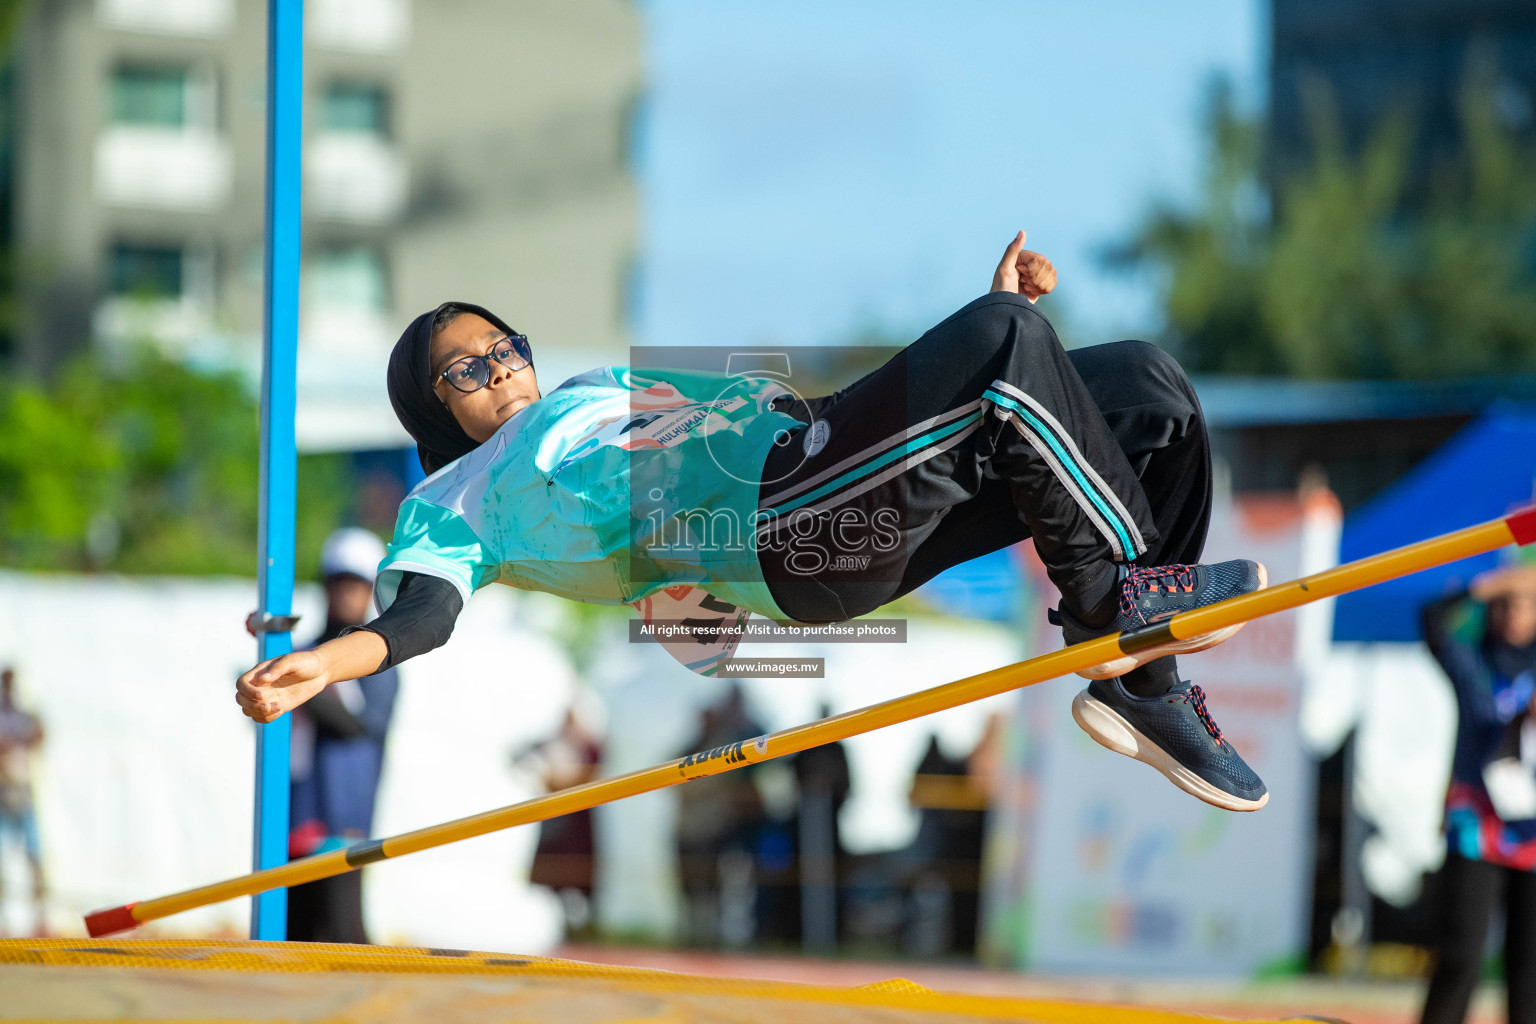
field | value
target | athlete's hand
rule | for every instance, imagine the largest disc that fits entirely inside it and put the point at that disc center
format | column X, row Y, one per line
column 280, row 684
column 1023, row 272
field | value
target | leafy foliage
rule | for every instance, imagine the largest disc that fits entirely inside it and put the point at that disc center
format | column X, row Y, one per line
column 147, row 467
column 1351, row 268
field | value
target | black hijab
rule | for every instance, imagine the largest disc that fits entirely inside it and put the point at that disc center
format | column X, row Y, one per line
column 439, row 438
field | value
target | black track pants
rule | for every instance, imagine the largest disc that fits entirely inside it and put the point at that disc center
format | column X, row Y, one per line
column 982, row 432
column 1473, row 890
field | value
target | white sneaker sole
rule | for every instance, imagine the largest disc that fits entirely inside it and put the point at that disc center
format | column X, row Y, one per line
column 1108, row 729
column 1204, row 642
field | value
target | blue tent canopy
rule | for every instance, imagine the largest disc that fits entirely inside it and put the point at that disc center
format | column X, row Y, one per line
column 1485, row 471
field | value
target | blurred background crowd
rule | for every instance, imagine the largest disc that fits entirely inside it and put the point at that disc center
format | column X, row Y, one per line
column 1325, row 210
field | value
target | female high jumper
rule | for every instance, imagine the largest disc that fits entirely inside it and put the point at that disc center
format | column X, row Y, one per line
column 701, row 497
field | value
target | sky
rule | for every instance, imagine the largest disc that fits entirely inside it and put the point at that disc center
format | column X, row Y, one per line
column 811, row 171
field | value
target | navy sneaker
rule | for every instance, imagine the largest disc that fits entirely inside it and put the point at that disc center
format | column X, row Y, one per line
column 1175, row 734
column 1154, row 593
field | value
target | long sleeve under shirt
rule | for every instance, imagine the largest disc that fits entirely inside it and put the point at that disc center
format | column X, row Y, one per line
column 421, row 618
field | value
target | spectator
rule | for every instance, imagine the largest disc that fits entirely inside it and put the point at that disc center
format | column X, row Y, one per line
column 945, row 883
column 20, row 734
column 822, row 778
column 338, row 752
column 1485, row 640
column 719, row 819
column 924, row 896
column 565, row 860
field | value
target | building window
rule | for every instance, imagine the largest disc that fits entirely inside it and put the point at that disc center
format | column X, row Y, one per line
column 355, row 107
column 352, row 278
column 162, row 96
column 151, row 96
column 147, row 271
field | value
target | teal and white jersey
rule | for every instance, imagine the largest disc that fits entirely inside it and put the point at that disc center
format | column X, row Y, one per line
column 620, row 486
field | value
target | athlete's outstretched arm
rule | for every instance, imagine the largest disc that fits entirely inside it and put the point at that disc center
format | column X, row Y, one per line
column 420, row 619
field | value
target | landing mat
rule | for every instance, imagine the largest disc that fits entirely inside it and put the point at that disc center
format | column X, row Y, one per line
column 234, row 982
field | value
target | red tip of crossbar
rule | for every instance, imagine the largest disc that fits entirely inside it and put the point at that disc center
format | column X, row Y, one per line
column 108, row 922
column 1523, row 525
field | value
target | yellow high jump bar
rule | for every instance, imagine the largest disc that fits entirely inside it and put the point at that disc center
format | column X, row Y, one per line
column 1517, row 528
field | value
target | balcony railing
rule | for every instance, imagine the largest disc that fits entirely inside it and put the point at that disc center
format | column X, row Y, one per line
column 165, row 168
column 171, row 17
column 354, row 177
column 369, row 26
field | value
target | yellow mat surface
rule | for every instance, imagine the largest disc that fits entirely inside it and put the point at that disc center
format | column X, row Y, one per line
column 236, row 981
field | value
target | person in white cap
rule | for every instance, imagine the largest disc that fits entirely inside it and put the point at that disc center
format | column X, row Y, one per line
column 338, row 751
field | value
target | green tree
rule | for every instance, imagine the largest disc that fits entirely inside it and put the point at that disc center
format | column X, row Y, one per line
column 1343, row 269
column 147, row 467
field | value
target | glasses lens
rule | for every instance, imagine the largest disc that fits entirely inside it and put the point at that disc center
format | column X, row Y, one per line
column 469, row 374
column 513, row 352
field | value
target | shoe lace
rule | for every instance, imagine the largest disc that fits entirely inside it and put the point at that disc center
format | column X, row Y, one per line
column 1154, row 578
column 1196, row 697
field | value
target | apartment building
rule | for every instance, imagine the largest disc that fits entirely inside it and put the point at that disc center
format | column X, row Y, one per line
column 470, row 149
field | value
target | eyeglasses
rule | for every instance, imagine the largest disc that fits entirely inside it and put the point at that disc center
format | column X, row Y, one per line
column 474, row 372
